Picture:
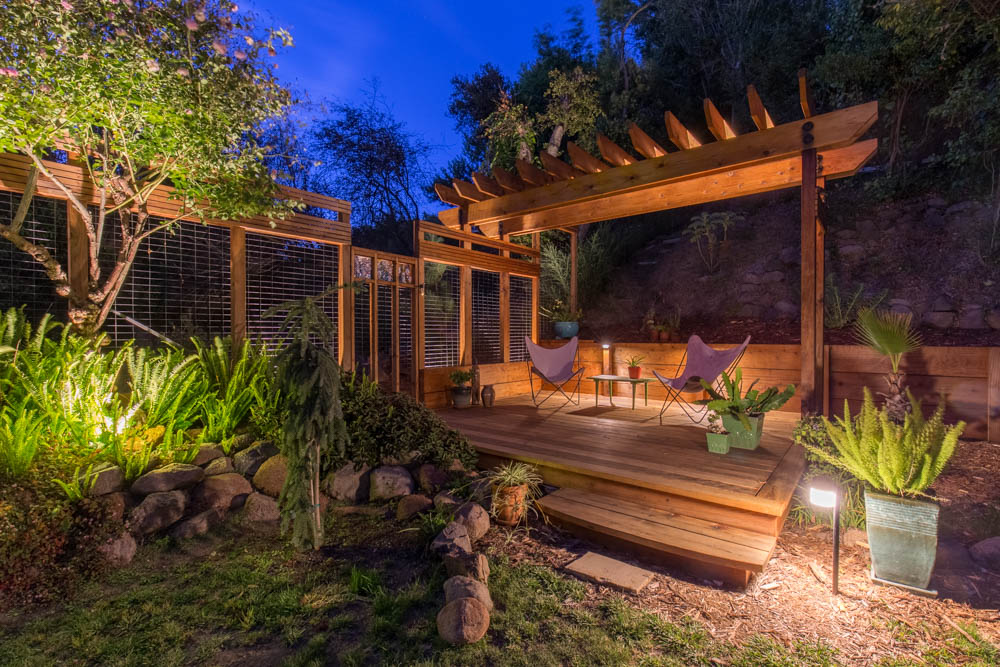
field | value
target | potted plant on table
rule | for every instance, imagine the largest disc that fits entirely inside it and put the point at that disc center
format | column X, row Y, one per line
column 461, row 392
column 898, row 463
column 565, row 321
column 516, row 486
column 717, row 436
column 743, row 414
column 634, row 369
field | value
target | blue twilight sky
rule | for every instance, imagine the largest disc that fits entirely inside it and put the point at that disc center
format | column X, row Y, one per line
column 412, row 47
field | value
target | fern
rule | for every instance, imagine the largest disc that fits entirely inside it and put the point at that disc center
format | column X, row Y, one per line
column 21, row 431
column 231, row 376
column 167, row 386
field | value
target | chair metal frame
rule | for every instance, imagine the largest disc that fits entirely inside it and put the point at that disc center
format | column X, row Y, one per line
column 578, row 374
column 674, row 395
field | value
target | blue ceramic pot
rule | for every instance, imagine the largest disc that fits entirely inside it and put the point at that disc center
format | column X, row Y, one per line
column 566, row 329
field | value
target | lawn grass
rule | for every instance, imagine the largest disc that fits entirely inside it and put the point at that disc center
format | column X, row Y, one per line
column 371, row 598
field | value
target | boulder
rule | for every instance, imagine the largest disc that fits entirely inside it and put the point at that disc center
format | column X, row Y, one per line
column 941, row 319
column 445, row 500
column 431, row 478
column 157, row 511
column 752, row 311
column 971, row 317
column 454, row 537
column 941, row 303
column 463, row 621
column 475, row 566
column 259, row 507
column 241, row 442
column 270, row 477
column 900, row 306
column 773, row 277
column 114, row 505
column 410, row 506
column 199, row 524
column 456, row 588
column 349, row 484
column 475, row 519
column 219, row 466
column 120, row 550
column 936, row 202
column 105, row 478
column 390, row 482
column 168, row 478
column 852, row 252
column 208, row 452
column 790, row 255
column 223, row 492
column 250, row 459
column 456, row 465
column 987, row 553
column 786, row 309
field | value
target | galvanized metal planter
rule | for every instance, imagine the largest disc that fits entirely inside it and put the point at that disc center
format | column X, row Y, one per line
column 739, row 436
column 903, row 535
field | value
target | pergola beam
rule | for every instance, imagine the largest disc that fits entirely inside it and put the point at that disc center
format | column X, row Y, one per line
column 508, row 181
column 468, row 191
column 717, row 125
column 449, row 195
column 644, row 144
column 556, row 167
column 487, row 185
column 805, row 95
column 679, row 135
column 761, row 118
column 531, row 174
column 613, row 153
column 583, row 160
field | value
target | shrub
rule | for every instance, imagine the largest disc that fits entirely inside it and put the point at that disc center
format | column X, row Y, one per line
column 21, row 430
column 810, row 432
column 230, row 376
column 168, row 386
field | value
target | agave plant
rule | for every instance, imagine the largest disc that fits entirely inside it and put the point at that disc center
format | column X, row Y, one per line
column 891, row 335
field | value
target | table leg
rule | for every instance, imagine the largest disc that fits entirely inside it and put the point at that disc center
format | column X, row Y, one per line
column 597, row 392
column 611, row 393
column 645, row 398
column 633, row 394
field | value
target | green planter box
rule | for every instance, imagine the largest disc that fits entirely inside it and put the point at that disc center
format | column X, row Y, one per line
column 718, row 443
column 903, row 535
column 739, row 436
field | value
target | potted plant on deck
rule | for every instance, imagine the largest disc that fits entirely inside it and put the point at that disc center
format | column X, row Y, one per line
column 565, row 321
column 898, row 463
column 716, row 436
column 516, row 486
column 461, row 392
column 743, row 414
column 634, row 369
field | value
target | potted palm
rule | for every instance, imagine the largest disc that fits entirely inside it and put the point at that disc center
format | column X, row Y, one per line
column 516, row 486
column 716, row 435
column 743, row 414
column 898, row 463
column 461, row 392
column 565, row 321
column 634, row 369
column 891, row 335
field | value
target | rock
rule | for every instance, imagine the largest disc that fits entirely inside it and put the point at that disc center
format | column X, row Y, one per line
column 867, row 229
column 219, row 466
column 971, row 317
column 412, row 505
column 987, row 553
column 390, row 482
column 223, row 492
column 475, row 519
column 454, row 537
column 463, row 621
column 270, row 477
column 886, row 214
column 401, row 460
column 105, row 478
column 456, row 588
column 114, row 505
column 444, row 499
column 752, row 279
column 786, row 309
column 993, row 319
column 119, row 551
column 963, row 207
column 168, row 478
column 954, row 558
column 852, row 252
column 773, row 277
column 937, row 202
column 259, row 507
column 250, row 459
column 941, row 303
column 431, row 478
column 241, row 442
column 157, row 511
column 458, row 564
column 348, row 484
column 900, row 306
column 752, row 311
column 610, row 572
column 934, row 219
column 208, row 452
column 790, row 255
column 199, row 524
column 939, row 319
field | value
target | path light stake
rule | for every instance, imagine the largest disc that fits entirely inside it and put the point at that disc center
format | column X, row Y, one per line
column 823, row 492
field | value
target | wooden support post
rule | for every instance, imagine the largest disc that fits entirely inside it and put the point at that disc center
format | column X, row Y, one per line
column 418, row 328
column 465, row 346
column 993, row 396
column 574, row 236
column 345, row 305
column 505, row 315
column 812, row 379
column 78, row 257
column 395, row 329
column 238, row 283
column 534, row 309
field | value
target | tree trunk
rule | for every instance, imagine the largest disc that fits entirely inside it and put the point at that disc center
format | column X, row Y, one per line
column 555, row 140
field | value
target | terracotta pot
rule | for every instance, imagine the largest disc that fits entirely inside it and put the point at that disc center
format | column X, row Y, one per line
column 509, row 504
column 664, row 336
column 634, row 371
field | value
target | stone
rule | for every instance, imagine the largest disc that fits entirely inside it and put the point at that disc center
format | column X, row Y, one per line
column 390, row 482
column 941, row 303
column 752, row 279
column 610, row 572
column 454, row 537
column 993, row 319
column 250, row 459
column 900, row 306
column 157, row 511
column 456, row 588
column 259, row 507
column 786, row 309
column 208, row 452
column 105, row 478
column 987, row 553
column 458, row 564
column 963, row 207
column 120, row 550
column 852, row 252
column 349, row 484
column 197, row 525
column 971, row 317
column 867, row 229
column 937, row 202
column 934, row 219
column 445, row 500
column 431, row 478
column 226, row 491
column 219, row 466
column 954, row 558
column 270, row 477
column 168, row 478
column 939, row 319
column 463, row 621
column 773, row 277
column 475, row 519
column 411, row 505
column 752, row 311
column 241, row 442
column 401, row 460
column 790, row 255
column 114, row 505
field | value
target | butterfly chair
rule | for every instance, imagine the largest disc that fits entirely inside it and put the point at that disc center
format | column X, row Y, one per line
column 702, row 363
column 555, row 366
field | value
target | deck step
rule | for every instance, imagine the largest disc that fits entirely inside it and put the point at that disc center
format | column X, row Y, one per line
column 678, row 537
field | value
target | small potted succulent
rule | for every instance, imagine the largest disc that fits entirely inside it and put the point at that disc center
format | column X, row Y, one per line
column 565, row 322
column 743, row 414
column 516, row 486
column 461, row 392
column 716, row 435
column 634, row 369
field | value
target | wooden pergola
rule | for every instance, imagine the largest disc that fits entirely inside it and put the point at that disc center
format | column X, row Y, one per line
column 563, row 195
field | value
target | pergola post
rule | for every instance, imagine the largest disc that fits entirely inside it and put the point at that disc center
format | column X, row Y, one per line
column 574, row 237
column 813, row 378
column 238, row 283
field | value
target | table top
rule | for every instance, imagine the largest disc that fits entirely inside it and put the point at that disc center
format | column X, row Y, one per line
column 618, row 378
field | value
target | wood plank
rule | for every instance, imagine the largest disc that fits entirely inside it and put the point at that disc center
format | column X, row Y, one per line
column 466, row 191
column 759, row 113
column 679, row 135
column 612, row 153
column 556, row 167
column 583, row 160
column 238, row 284
column 993, row 396
column 507, row 180
column 531, row 175
column 717, row 125
column 449, row 195
column 644, row 144
column 574, row 238
column 487, row 185
column 805, row 95
column 928, row 360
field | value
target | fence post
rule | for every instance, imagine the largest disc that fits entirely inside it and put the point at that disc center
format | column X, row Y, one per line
column 993, row 396
column 238, row 283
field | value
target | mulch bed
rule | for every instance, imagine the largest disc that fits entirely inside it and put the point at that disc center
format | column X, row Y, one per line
column 787, row 602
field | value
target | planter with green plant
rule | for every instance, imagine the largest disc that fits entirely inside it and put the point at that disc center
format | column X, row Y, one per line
column 461, row 392
column 898, row 463
column 634, row 369
column 565, row 321
column 516, row 486
column 743, row 414
column 716, row 435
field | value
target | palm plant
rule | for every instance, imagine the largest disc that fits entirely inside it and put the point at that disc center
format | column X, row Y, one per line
column 891, row 335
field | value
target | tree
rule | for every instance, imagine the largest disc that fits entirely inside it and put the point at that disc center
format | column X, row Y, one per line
column 473, row 99
column 572, row 108
column 140, row 96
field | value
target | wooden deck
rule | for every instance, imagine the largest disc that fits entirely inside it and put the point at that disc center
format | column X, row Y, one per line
column 629, row 482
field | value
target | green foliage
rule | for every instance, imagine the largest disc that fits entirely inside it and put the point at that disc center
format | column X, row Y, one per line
column 634, row 360
column 167, row 385
column 810, row 433
column 890, row 334
column 513, row 474
column 902, row 459
column 459, row 377
column 21, row 432
column 841, row 310
column 754, row 402
column 231, row 375
column 710, row 232
column 561, row 312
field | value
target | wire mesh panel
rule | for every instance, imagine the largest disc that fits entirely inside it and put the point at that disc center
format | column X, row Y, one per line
column 385, row 346
column 363, row 329
column 442, row 315
column 520, row 316
column 487, row 348
column 406, row 379
column 280, row 270
column 22, row 280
